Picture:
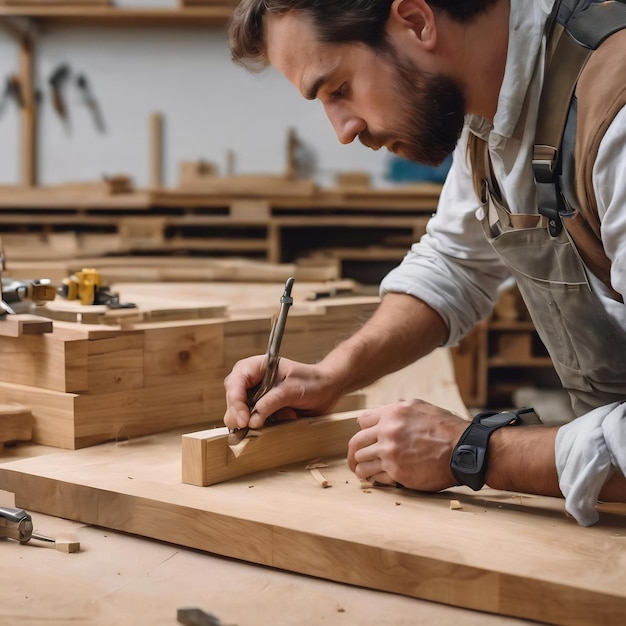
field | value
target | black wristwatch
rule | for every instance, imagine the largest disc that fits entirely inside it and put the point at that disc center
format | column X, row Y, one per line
column 469, row 457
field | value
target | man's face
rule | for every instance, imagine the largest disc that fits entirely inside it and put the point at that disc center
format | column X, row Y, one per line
column 378, row 97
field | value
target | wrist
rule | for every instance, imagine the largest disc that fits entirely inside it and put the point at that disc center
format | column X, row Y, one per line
column 522, row 459
column 470, row 457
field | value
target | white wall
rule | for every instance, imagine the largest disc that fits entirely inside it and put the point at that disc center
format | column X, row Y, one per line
column 210, row 106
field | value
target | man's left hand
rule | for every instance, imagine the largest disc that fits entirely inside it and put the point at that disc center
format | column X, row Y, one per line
column 408, row 442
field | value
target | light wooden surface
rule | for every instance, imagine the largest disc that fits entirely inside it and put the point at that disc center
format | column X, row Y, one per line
column 504, row 553
column 123, row 580
column 500, row 552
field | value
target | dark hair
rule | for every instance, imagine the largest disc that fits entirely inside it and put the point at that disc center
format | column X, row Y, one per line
column 335, row 21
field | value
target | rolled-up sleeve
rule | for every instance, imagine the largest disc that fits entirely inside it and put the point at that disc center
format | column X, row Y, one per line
column 453, row 268
column 587, row 451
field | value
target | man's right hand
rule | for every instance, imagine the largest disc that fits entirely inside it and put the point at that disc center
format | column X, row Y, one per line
column 299, row 390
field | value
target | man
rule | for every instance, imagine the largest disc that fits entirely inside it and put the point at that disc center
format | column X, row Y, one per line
column 420, row 77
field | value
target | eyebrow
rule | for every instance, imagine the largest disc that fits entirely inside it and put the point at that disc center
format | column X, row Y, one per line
column 311, row 93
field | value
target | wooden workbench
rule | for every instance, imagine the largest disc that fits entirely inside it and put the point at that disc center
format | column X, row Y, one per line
column 123, row 580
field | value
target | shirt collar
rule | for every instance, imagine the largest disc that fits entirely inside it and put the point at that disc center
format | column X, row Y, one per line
column 526, row 29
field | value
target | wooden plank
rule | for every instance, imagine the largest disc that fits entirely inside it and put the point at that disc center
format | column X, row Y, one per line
column 503, row 553
column 71, row 421
column 252, row 185
column 207, row 458
column 21, row 324
column 117, row 573
column 156, row 150
column 175, row 352
column 16, row 423
column 115, row 363
column 52, row 361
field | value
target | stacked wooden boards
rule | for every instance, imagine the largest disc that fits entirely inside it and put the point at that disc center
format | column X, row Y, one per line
column 86, row 384
column 498, row 552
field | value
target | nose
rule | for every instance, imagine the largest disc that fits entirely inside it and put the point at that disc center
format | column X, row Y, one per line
column 345, row 123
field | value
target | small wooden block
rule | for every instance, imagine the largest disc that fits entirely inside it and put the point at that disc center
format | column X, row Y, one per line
column 67, row 543
column 208, row 459
column 24, row 324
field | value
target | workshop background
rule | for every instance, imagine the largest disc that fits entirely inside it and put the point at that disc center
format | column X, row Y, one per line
column 210, row 107
column 155, row 202
column 150, row 101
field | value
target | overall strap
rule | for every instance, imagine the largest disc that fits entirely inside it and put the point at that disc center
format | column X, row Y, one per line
column 553, row 153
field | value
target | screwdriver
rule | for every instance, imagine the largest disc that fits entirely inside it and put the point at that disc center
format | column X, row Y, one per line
column 18, row 524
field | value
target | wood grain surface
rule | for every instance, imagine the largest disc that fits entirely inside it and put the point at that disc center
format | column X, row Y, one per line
column 500, row 552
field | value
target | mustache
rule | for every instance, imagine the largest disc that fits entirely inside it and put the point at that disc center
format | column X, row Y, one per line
column 371, row 141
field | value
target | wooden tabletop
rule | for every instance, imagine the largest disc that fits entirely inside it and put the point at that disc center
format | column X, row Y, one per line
column 122, row 579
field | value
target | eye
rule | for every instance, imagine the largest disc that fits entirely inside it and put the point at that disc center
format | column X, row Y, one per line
column 340, row 92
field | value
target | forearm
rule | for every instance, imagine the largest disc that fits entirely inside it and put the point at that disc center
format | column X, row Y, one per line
column 522, row 459
column 401, row 330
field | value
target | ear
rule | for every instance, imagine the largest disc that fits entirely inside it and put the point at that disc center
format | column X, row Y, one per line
column 417, row 16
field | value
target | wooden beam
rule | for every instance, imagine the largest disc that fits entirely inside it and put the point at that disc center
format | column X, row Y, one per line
column 208, row 459
column 156, row 150
column 24, row 324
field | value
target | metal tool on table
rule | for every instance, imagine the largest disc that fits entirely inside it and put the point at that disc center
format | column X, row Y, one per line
column 17, row 524
column 273, row 358
column 17, row 296
column 86, row 286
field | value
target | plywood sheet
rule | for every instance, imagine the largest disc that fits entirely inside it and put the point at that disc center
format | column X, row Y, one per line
column 500, row 552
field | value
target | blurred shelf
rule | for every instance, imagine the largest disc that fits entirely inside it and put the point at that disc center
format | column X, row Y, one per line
column 216, row 15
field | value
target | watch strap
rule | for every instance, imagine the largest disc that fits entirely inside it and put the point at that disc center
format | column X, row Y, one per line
column 469, row 457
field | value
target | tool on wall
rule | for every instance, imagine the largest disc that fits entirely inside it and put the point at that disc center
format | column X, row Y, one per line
column 273, row 358
column 87, row 287
column 12, row 91
column 57, row 80
column 90, row 100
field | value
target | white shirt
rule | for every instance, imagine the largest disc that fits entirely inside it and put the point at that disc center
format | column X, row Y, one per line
column 455, row 270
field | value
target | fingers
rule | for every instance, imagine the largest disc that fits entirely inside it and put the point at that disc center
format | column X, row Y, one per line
column 282, row 415
column 245, row 375
column 363, row 449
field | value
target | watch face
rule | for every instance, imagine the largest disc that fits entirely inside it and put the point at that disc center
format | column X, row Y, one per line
column 466, row 458
column 499, row 419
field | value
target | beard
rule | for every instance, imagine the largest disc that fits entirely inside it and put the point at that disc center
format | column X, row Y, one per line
column 429, row 115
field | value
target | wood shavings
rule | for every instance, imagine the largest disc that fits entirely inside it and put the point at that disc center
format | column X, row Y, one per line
column 316, row 465
column 319, row 478
column 238, row 448
column 455, row 505
column 366, row 484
